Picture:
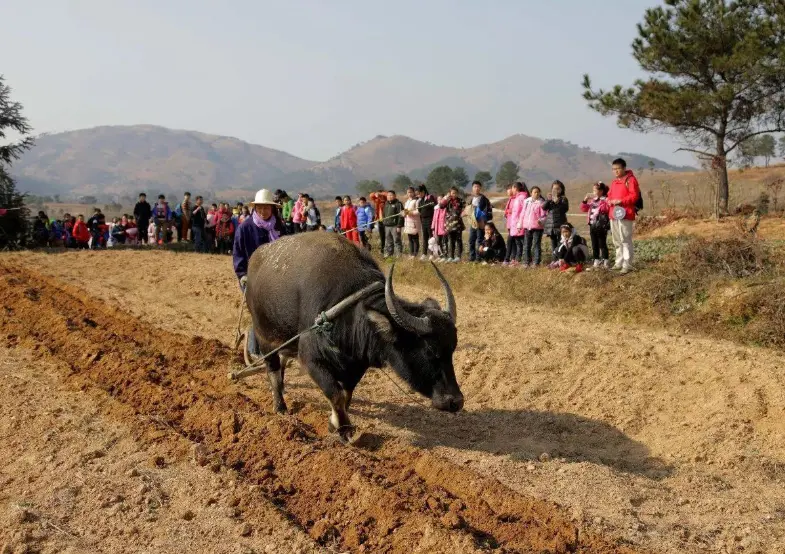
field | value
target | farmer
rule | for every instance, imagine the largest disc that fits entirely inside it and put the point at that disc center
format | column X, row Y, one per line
column 625, row 193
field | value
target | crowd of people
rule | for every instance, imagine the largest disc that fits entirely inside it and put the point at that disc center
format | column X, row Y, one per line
column 433, row 226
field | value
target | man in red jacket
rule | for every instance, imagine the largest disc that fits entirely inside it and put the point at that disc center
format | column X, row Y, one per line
column 624, row 193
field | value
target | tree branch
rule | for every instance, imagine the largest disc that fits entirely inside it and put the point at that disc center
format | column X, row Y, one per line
column 701, row 152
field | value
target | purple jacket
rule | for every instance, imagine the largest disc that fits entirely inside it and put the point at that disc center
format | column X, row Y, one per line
column 247, row 239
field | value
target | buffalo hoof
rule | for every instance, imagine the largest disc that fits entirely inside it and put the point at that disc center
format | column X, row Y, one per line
column 281, row 408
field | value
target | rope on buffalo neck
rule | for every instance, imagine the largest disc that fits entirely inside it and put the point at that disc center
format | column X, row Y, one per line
column 403, row 391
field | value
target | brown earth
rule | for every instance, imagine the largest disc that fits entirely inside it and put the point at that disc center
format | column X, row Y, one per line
column 670, row 442
column 389, row 498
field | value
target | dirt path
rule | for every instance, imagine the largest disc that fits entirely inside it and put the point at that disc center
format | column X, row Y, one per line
column 672, row 442
column 391, row 498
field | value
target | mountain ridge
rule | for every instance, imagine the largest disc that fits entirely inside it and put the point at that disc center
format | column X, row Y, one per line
column 111, row 160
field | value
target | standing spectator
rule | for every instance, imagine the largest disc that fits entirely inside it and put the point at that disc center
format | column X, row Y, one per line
column 411, row 222
column 337, row 218
column 454, row 206
column 481, row 212
column 379, row 199
column 41, row 230
column 557, row 207
column 245, row 213
column 209, row 227
column 96, row 224
column 598, row 210
column 142, row 212
column 313, row 219
column 151, row 238
column 198, row 223
column 534, row 215
column 287, row 205
column 516, row 224
column 393, row 223
column 298, row 213
column 81, row 233
column 626, row 193
column 184, row 211
column 347, row 220
column 427, row 206
column 365, row 221
column 510, row 254
column 439, row 230
column 162, row 215
column 491, row 249
column 224, row 233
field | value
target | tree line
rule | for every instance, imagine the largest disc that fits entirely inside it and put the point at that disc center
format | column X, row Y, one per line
column 442, row 178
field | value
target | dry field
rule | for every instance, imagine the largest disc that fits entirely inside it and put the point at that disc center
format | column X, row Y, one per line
column 120, row 432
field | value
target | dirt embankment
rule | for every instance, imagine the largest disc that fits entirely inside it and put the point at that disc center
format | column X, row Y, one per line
column 390, row 498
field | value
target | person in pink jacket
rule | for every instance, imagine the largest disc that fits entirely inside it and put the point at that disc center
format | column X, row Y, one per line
column 510, row 255
column 439, row 229
column 533, row 219
column 515, row 223
column 298, row 215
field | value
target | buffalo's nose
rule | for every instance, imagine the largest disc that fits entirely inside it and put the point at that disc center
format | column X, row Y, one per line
column 455, row 404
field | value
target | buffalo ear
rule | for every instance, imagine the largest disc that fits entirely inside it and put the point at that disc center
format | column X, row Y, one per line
column 382, row 324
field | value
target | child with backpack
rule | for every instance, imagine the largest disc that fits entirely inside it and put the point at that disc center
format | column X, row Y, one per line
column 596, row 207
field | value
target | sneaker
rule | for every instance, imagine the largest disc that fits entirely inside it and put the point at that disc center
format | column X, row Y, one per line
column 563, row 266
column 424, row 258
column 456, row 260
column 606, row 264
column 578, row 268
column 514, row 263
column 505, row 263
column 617, row 268
column 484, row 263
column 625, row 271
column 525, row 265
column 554, row 265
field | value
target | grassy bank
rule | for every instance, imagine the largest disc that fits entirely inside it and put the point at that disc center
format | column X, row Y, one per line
column 730, row 288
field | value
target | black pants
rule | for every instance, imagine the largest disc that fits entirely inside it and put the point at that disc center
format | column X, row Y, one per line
column 142, row 226
column 599, row 243
column 443, row 243
column 574, row 255
column 456, row 244
column 381, row 237
column 555, row 237
column 475, row 235
column 364, row 239
column 510, row 255
column 533, row 239
column 426, row 234
column 414, row 244
column 209, row 236
column 289, row 226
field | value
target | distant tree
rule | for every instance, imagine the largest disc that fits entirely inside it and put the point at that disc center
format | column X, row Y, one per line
column 366, row 187
column 484, row 177
column 460, row 177
column 651, row 166
column 14, row 224
column 782, row 146
column 56, row 198
column 508, row 174
column 440, row 179
column 767, row 148
column 717, row 77
column 401, row 183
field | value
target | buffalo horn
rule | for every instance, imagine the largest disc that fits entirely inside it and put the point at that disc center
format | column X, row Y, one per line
column 418, row 325
column 452, row 309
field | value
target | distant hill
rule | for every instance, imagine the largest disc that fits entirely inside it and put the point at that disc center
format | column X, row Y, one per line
column 126, row 159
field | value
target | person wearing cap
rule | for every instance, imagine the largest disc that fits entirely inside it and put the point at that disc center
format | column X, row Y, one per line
column 264, row 225
column 623, row 197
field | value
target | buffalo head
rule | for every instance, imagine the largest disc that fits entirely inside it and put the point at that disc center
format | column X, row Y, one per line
column 420, row 344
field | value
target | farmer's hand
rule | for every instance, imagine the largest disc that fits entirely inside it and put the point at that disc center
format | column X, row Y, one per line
column 243, row 282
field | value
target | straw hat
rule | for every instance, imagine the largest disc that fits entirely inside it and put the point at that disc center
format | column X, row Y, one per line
column 263, row 196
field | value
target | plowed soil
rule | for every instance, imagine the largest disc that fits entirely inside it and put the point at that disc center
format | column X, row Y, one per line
column 396, row 499
column 646, row 440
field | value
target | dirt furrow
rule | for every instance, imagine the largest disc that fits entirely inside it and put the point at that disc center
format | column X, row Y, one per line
column 393, row 499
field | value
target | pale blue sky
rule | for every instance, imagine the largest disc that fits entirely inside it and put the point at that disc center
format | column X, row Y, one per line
column 314, row 77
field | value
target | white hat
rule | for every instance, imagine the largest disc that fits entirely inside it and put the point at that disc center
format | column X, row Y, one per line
column 263, row 196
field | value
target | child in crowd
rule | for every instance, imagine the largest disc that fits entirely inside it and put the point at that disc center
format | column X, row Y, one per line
column 492, row 249
column 338, row 210
column 454, row 206
column 224, row 233
column 533, row 218
column 81, row 233
column 572, row 251
column 517, row 231
column 411, row 222
column 365, row 215
column 313, row 218
column 557, row 207
column 347, row 220
column 152, row 238
column 439, row 231
column 598, row 210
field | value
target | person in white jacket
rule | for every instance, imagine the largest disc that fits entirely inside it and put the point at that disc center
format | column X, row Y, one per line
column 411, row 223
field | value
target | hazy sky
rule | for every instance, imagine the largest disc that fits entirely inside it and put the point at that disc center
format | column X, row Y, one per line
column 314, row 78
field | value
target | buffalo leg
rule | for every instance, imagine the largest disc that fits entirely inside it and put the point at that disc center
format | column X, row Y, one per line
column 275, row 373
column 339, row 399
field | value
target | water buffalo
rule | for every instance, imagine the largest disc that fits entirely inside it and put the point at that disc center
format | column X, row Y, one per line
column 292, row 280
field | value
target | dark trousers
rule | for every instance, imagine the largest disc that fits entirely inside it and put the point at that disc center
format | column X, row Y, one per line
column 574, row 255
column 427, row 233
column 510, row 255
column 599, row 243
column 364, row 239
column 142, row 226
column 456, row 244
column 414, row 244
column 533, row 239
column 475, row 236
column 555, row 237
column 382, row 237
column 393, row 241
column 199, row 243
column 289, row 226
column 443, row 242
column 209, row 234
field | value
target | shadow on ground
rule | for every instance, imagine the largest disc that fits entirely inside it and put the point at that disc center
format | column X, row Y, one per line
column 522, row 435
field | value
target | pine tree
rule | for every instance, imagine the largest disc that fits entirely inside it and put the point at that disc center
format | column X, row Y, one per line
column 717, row 77
column 14, row 224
